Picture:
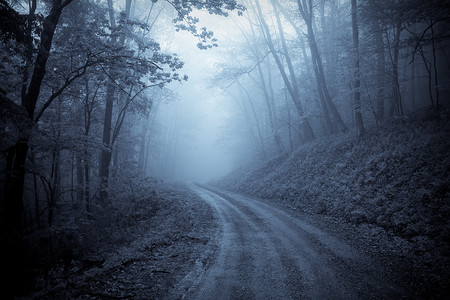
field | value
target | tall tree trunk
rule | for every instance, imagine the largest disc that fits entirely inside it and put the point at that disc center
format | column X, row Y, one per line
column 36, row 201
column 381, row 63
column 396, row 95
column 80, row 180
column 15, row 273
column 288, row 110
column 255, row 116
column 321, row 104
column 308, row 133
column 56, row 168
column 142, row 151
column 87, row 194
column 105, row 158
column 270, row 108
column 268, row 92
column 357, row 80
column 54, row 185
column 17, row 154
column 306, row 10
column 413, row 85
column 433, row 52
column 106, row 154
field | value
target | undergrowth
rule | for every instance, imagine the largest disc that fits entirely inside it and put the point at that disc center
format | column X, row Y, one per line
column 395, row 178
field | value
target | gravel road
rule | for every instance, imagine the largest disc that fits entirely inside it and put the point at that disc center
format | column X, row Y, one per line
column 266, row 253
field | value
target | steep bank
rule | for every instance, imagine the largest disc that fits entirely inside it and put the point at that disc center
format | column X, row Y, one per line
column 393, row 182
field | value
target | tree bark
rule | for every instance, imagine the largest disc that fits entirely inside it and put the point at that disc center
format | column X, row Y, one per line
column 396, row 95
column 105, row 157
column 142, row 149
column 381, row 63
column 357, row 80
column 80, row 180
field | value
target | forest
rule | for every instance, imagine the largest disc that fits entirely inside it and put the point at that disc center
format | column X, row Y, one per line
column 337, row 108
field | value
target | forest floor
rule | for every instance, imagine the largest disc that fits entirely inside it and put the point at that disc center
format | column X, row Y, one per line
column 166, row 236
column 390, row 189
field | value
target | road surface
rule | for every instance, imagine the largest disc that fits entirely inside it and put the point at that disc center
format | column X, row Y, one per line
column 265, row 253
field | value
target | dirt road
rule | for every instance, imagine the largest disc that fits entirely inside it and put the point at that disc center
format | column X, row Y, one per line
column 265, row 253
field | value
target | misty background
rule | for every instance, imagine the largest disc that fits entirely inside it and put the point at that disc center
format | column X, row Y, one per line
column 338, row 109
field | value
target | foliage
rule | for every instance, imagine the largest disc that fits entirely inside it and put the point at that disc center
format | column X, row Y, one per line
column 186, row 21
column 395, row 179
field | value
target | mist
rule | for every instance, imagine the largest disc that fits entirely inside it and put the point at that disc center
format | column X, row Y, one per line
column 260, row 149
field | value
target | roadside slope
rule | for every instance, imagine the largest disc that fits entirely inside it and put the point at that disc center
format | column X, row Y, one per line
column 393, row 183
column 165, row 236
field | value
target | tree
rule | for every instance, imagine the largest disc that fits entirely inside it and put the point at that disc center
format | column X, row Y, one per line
column 306, row 11
column 15, row 173
column 292, row 86
column 17, row 154
column 357, row 80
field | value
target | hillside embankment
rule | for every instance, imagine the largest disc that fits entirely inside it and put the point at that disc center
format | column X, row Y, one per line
column 391, row 186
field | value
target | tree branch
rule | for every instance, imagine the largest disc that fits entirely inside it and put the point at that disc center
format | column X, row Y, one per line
column 79, row 72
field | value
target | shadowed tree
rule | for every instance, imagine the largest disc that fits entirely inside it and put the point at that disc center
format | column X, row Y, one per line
column 357, row 80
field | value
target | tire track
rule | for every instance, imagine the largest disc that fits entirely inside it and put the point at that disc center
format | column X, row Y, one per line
column 266, row 253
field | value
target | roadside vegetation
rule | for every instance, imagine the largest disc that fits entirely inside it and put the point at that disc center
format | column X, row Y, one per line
column 393, row 183
column 137, row 250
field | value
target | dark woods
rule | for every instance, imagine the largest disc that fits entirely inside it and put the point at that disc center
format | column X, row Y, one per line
column 80, row 80
column 73, row 75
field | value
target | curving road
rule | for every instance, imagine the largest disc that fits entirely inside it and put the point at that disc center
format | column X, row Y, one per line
column 265, row 253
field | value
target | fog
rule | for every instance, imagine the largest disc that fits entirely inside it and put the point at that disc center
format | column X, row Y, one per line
column 194, row 122
column 110, row 99
column 192, row 125
column 241, row 102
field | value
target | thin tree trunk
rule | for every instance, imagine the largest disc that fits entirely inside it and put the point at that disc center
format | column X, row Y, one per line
column 329, row 128
column 80, row 181
column 56, row 168
column 87, row 195
column 428, row 68
column 357, row 80
column 413, row 85
column 255, row 116
column 272, row 106
column 270, row 110
column 396, row 95
column 433, row 49
column 72, row 179
column 54, row 186
column 317, row 62
column 105, row 158
column 36, row 201
column 267, row 97
column 288, row 110
column 308, row 133
column 381, row 62
column 142, row 149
